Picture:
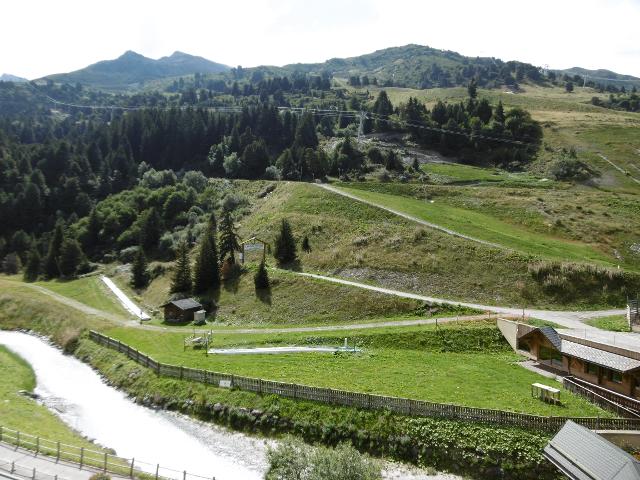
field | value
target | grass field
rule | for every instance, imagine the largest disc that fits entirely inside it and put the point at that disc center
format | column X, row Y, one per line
column 614, row 323
column 19, row 412
column 484, row 227
column 409, row 363
column 446, row 173
column 88, row 290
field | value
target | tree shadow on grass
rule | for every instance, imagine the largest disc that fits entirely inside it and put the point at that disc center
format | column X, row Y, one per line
column 264, row 295
column 295, row 266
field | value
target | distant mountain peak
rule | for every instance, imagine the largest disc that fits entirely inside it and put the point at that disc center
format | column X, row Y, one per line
column 7, row 77
column 131, row 69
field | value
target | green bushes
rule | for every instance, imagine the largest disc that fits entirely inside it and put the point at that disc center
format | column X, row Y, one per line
column 571, row 282
column 293, row 460
column 483, row 337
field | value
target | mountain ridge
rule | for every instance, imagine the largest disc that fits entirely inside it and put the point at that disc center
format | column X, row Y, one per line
column 132, row 69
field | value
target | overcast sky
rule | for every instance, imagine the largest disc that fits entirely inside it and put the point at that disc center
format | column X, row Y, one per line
column 41, row 37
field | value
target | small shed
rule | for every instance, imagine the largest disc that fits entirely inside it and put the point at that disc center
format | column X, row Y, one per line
column 582, row 454
column 181, row 310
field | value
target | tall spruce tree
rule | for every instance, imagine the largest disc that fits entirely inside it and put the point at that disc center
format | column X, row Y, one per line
column 55, row 244
column 32, row 269
column 140, row 270
column 229, row 239
column 181, row 281
column 71, row 257
column 285, row 244
column 206, row 273
column 150, row 230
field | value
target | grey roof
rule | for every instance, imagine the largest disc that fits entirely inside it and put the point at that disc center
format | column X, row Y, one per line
column 599, row 357
column 184, row 304
column 606, row 359
column 551, row 335
column 582, row 454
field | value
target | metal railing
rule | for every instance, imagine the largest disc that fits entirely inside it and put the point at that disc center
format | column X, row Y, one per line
column 16, row 470
column 622, row 405
column 100, row 461
column 368, row 401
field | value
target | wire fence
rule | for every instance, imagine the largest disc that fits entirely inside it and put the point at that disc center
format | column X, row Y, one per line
column 101, row 461
column 368, row 401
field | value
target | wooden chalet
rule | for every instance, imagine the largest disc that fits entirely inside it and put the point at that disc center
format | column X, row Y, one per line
column 181, row 311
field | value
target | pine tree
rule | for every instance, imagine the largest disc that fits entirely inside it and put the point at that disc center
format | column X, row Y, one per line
column 140, row 271
column 261, row 278
column 51, row 260
column 181, row 281
column 306, row 247
column 150, row 230
column 498, row 115
column 32, row 269
column 472, row 89
column 206, row 273
column 229, row 239
column 71, row 257
column 92, row 238
column 285, row 244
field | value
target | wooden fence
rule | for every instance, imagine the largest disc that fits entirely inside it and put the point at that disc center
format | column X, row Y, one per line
column 404, row 406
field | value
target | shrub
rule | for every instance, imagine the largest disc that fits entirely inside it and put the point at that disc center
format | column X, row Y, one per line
column 571, row 281
column 294, row 460
column 100, row 476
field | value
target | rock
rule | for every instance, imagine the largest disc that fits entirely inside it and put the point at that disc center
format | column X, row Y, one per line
column 218, row 407
column 256, row 413
column 33, row 395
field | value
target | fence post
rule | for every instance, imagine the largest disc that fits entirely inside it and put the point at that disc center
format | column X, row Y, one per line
column 33, row 475
column 13, row 467
column 184, row 475
column 81, row 456
column 157, row 468
column 17, row 439
column 133, row 460
column 105, row 462
column 57, row 452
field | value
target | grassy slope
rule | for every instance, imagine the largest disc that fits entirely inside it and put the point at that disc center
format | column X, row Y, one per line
column 18, row 412
column 614, row 323
column 355, row 240
column 470, row 221
column 89, row 290
column 405, row 363
column 293, row 300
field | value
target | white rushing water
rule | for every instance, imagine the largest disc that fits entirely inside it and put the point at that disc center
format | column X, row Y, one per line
column 83, row 401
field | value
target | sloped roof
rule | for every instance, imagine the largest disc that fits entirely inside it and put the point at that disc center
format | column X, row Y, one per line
column 549, row 333
column 552, row 336
column 184, row 304
column 582, row 454
column 599, row 357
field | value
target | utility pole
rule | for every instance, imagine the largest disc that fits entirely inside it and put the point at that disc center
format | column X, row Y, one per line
column 362, row 116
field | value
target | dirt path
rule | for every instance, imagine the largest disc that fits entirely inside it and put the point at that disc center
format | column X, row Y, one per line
column 573, row 320
column 410, row 217
column 568, row 319
column 620, row 169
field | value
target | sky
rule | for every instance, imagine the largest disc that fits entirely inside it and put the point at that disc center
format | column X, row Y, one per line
column 41, row 37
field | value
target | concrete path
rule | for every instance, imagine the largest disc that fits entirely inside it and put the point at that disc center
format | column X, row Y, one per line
column 410, row 217
column 126, row 302
column 46, row 467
